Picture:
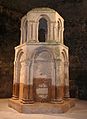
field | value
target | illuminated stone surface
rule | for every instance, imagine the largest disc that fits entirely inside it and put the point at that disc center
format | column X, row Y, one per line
column 41, row 65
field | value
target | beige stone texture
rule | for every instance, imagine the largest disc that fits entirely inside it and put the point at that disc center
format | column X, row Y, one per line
column 41, row 64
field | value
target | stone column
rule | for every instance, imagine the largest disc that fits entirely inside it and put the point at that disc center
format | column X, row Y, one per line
column 29, row 31
column 51, row 31
column 48, row 31
column 59, row 85
column 31, row 98
column 58, row 27
column 28, row 35
column 21, row 36
column 53, row 96
column 29, row 25
column 54, row 32
column 24, row 85
column 61, row 35
column 15, row 82
column 34, row 33
column 24, row 32
column 21, row 41
column 66, row 65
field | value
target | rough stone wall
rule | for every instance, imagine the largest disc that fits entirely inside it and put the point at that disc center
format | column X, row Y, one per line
column 74, row 13
column 9, row 38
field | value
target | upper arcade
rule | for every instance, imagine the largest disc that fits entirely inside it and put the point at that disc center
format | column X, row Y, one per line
column 42, row 25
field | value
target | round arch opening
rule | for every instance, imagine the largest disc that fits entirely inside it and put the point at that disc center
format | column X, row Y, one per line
column 42, row 30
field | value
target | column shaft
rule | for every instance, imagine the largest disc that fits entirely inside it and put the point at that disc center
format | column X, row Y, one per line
column 24, row 88
column 28, row 35
column 55, row 32
column 59, row 85
column 34, row 32
column 51, row 31
column 15, row 83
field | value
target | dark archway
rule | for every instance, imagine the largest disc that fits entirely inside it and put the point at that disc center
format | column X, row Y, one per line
column 42, row 30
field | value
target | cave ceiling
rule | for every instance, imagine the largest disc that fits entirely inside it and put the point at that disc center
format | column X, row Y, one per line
column 25, row 5
column 74, row 8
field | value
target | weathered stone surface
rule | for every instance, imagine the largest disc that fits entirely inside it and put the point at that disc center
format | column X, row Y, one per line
column 41, row 108
column 40, row 73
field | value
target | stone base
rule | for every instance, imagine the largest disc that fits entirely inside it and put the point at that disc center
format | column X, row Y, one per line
column 38, row 108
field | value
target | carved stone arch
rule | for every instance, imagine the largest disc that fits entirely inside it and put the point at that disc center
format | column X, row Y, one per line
column 60, row 23
column 64, row 58
column 65, row 73
column 24, row 25
column 42, row 58
column 17, row 67
column 18, row 64
column 46, row 17
column 36, row 61
column 18, row 55
column 59, row 30
column 42, row 49
column 63, row 61
column 65, row 55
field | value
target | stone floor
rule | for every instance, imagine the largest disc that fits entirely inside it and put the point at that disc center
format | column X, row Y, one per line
column 77, row 112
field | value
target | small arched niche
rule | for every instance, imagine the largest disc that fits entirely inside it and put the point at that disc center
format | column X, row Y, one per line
column 42, row 30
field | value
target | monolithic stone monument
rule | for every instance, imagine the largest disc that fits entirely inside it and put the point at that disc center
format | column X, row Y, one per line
column 41, row 65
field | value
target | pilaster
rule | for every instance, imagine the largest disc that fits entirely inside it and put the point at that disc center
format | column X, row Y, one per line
column 51, row 31
column 16, row 82
column 54, row 31
column 61, row 38
column 59, row 84
column 28, row 30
